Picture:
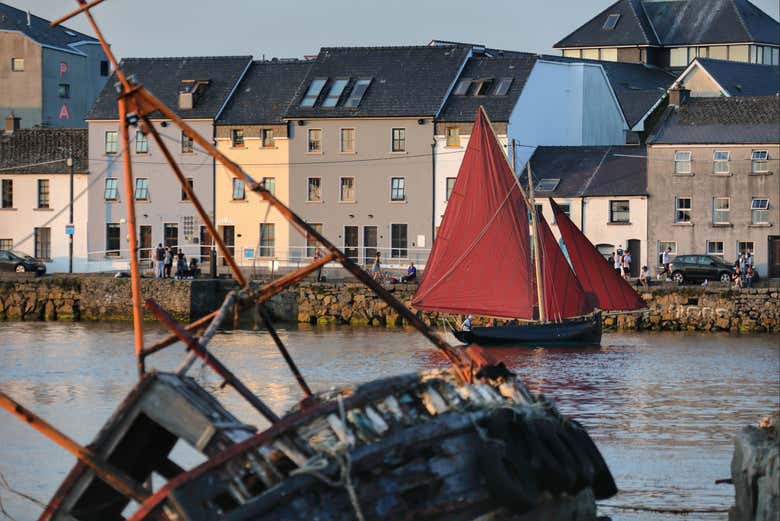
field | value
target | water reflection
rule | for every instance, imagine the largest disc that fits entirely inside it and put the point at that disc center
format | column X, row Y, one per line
column 663, row 408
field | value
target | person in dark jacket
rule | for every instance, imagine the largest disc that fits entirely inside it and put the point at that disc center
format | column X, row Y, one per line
column 159, row 259
column 168, row 261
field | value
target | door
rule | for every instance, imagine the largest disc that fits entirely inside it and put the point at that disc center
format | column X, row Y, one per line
column 229, row 238
column 351, row 242
column 205, row 244
column 171, row 235
column 145, row 242
column 773, row 267
column 635, row 249
column 369, row 244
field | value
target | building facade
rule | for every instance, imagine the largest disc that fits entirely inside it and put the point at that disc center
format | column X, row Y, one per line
column 708, row 78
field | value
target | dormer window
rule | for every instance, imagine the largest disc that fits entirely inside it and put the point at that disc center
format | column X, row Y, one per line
column 190, row 91
column 611, row 22
column 483, row 87
column 358, row 91
column 336, row 89
column 314, row 92
column 462, row 87
column 503, row 86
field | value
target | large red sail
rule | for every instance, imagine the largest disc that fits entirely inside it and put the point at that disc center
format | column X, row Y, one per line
column 480, row 261
column 607, row 289
column 563, row 295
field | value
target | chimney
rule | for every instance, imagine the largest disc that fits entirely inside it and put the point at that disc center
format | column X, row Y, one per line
column 678, row 96
column 12, row 123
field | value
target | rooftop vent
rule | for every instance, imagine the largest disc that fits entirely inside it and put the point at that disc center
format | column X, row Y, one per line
column 190, row 91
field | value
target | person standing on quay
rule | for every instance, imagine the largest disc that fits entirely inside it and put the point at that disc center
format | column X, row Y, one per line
column 159, row 257
column 626, row 265
column 168, row 261
column 376, row 269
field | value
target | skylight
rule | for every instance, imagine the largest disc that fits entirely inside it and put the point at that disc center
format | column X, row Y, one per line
column 483, row 87
column 611, row 22
column 462, row 87
column 71, row 33
column 335, row 93
column 358, row 91
column 547, row 185
column 313, row 93
column 503, row 86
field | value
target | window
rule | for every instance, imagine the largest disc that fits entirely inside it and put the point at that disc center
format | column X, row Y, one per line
column 759, row 160
column 334, row 94
column 590, row 54
column 663, row 245
column 8, row 193
column 611, row 22
column 43, row 243
column 682, row 162
column 720, row 162
column 572, row 53
column 111, row 142
column 715, row 248
column 311, row 242
column 398, row 189
column 678, row 57
column 238, row 190
column 186, row 144
column 347, row 190
column 112, row 240
column 398, row 241
column 110, row 193
column 483, row 87
column 237, row 137
column 450, row 184
column 6, row 244
column 358, row 91
column 188, row 227
column 682, row 210
column 739, row 53
column 314, row 190
column 348, row 140
column 721, row 206
column 191, row 184
column 719, row 52
column 43, row 193
column 566, row 208
column 141, row 189
column 453, row 136
column 141, row 143
column 171, row 235
column 399, row 140
column 609, row 55
column 267, row 137
column 745, row 246
column 759, row 210
column 104, row 67
column 17, row 64
column 269, row 183
column 313, row 93
column 267, row 239
column 547, row 185
column 315, row 141
column 462, row 87
column 503, row 86
column 63, row 90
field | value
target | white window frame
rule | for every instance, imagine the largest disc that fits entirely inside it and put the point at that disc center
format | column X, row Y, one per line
column 265, row 141
column 392, row 140
column 742, row 246
column 403, row 189
column 144, row 188
column 112, row 151
column 687, row 211
column 679, row 163
column 309, row 141
column 715, row 253
column 722, row 211
column 716, row 162
column 269, row 251
column 447, row 192
column 342, row 149
column 141, row 143
column 115, row 189
column 756, row 162
column 455, row 142
column 400, row 250
column 308, row 192
column 236, row 135
column 235, row 183
column 15, row 64
column 341, row 189
column 265, row 182
column 755, row 209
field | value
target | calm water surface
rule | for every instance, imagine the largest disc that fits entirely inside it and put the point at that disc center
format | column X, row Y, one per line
column 662, row 407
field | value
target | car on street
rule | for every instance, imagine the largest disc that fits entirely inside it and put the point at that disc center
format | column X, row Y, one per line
column 20, row 263
column 686, row 268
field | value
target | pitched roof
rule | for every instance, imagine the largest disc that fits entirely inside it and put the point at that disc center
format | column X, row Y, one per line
column 264, row 93
column 677, row 22
column 499, row 108
column 405, row 81
column 163, row 78
column 39, row 30
column 743, row 79
column 43, row 145
column 589, row 171
column 721, row 121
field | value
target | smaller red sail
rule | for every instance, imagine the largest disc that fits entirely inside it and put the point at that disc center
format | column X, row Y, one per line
column 606, row 289
column 563, row 295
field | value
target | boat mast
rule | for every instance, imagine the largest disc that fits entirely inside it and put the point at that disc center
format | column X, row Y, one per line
column 537, row 265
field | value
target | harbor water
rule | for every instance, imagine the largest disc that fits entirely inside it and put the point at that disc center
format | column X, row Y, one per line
column 663, row 408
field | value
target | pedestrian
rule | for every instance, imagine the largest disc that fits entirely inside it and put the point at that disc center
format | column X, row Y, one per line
column 168, row 261
column 193, row 271
column 749, row 258
column 643, row 277
column 617, row 260
column 318, row 255
column 749, row 276
column 376, row 269
column 411, row 273
column 737, row 278
column 666, row 264
column 626, row 265
column 159, row 257
column 742, row 261
column 181, row 265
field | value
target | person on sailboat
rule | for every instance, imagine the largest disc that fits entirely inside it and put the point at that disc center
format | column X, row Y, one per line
column 466, row 326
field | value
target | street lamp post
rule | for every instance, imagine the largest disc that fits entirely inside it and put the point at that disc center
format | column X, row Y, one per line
column 69, row 162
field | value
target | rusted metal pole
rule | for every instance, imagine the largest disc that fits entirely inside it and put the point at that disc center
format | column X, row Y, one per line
column 209, row 333
column 192, row 343
column 135, row 274
column 84, row 7
column 112, row 476
column 282, row 349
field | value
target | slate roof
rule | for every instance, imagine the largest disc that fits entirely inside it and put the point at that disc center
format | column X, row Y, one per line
column 30, row 146
column 743, row 79
column 406, row 81
column 721, row 121
column 499, row 108
column 264, row 93
column 591, row 171
column 676, row 22
column 12, row 19
column 162, row 77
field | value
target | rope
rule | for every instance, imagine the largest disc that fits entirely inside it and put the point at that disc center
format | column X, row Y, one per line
column 6, row 486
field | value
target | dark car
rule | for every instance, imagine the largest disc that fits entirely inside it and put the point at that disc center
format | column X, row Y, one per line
column 700, row 267
column 20, row 263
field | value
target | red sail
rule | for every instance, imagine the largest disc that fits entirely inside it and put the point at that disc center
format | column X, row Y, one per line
column 563, row 295
column 602, row 284
column 480, row 261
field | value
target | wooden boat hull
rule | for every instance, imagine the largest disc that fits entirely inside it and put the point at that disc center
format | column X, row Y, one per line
column 585, row 331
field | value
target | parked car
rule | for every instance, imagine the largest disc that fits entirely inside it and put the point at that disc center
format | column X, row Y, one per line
column 699, row 267
column 20, row 263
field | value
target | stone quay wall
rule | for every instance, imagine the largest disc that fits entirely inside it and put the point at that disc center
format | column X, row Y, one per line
column 755, row 472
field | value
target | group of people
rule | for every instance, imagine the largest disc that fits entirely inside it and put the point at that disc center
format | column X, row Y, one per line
column 164, row 259
column 744, row 273
column 621, row 261
column 378, row 275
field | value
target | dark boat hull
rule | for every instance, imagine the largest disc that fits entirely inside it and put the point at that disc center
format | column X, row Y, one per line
column 585, row 331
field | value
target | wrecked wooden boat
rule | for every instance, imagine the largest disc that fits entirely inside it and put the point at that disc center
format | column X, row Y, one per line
column 450, row 445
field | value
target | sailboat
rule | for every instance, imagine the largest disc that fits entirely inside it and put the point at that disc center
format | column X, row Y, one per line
column 495, row 257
